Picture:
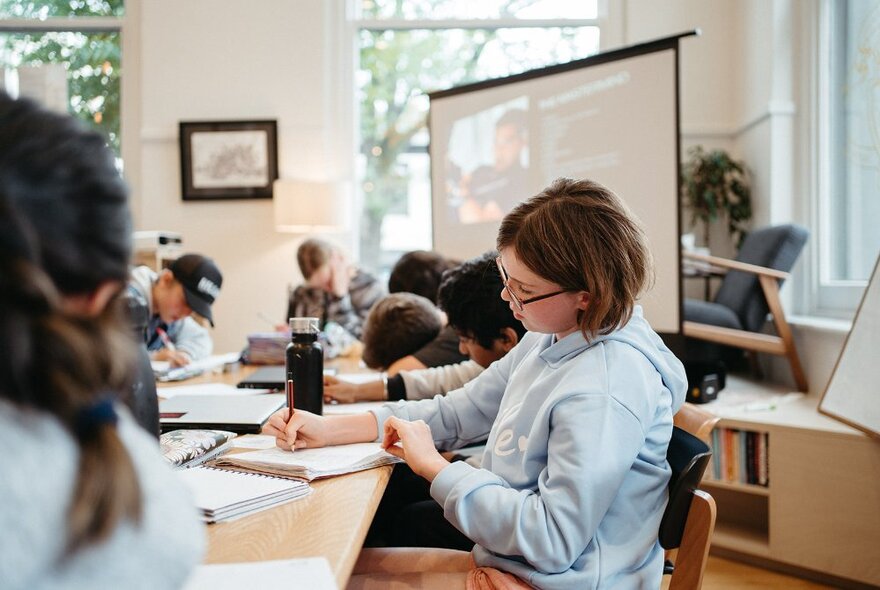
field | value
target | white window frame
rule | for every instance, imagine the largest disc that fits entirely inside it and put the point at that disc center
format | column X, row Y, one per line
column 826, row 296
column 129, row 104
column 609, row 11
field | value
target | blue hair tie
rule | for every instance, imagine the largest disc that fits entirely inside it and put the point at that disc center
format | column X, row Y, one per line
column 100, row 413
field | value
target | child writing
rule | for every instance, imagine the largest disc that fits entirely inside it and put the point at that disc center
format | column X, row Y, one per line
column 572, row 485
column 88, row 501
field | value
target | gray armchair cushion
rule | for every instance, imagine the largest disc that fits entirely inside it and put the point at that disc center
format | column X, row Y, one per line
column 775, row 247
column 706, row 312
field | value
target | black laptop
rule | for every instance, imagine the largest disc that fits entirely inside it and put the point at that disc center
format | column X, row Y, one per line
column 268, row 377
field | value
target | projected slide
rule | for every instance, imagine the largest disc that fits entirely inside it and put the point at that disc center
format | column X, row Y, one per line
column 614, row 122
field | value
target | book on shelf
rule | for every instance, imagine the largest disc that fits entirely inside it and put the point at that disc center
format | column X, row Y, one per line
column 188, row 448
column 739, row 456
column 225, row 495
column 309, row 464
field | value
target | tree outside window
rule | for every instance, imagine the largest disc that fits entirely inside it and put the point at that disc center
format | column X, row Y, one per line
column 91, row 58
column 405, row 54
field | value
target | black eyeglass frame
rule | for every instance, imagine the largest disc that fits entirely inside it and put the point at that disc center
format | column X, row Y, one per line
column 521, row 303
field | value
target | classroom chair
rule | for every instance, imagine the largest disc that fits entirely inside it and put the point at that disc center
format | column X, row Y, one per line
column 748, row 292
column 689, row 518
column 694, row 419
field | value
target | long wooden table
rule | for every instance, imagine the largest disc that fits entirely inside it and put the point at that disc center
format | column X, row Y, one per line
column 331, row 522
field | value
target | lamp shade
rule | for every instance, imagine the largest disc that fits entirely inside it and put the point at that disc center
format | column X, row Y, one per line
column 307, row 207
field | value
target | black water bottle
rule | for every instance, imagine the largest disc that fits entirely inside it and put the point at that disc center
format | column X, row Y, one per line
column 305, row 366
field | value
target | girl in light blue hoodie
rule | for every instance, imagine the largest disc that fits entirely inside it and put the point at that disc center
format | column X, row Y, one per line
column 578, row 416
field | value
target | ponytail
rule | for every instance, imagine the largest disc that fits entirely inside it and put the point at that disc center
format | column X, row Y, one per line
column 65, row 230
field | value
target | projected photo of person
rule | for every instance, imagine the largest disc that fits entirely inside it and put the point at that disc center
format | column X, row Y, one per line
column 496, row 140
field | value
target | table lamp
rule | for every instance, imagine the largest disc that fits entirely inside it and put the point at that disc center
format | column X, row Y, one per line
column 310, row 207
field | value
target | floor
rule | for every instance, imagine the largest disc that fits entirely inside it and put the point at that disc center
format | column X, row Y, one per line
column 723, row 574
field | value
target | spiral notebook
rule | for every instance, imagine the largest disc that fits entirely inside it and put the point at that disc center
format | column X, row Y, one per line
column 225, row 495
column 309, row 464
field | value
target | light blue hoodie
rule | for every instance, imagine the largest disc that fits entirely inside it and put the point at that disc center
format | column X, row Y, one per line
column 573, row 480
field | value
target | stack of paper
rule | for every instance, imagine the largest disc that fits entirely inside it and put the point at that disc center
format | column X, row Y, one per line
column 310, row 464
column 188, row 448
column 267, row 348
column 224, row 495
column 164, row 371
column 307, row 572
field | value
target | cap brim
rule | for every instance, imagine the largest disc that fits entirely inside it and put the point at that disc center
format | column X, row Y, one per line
column 198, row 305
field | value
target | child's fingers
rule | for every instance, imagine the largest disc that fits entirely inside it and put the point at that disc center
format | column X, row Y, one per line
column 277, row 423
column 396, row 451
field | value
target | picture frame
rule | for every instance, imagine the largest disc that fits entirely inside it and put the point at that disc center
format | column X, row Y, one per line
column 228, row 159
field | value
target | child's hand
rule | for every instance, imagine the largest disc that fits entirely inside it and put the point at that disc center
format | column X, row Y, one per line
column 300, row 431
column 340, row 276
column 416, row 446
column 337, row 390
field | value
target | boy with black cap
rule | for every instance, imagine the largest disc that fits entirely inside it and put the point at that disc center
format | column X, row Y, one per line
column 189, row 285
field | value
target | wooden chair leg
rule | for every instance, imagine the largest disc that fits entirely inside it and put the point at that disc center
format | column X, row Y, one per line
column 771, row 291
column 690, row 562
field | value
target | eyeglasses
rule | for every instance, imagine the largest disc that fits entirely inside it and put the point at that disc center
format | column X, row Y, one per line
column 520, row 303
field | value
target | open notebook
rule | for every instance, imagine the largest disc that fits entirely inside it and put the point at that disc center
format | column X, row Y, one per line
column 309, row 464
column 224, row 495
column 308, row 572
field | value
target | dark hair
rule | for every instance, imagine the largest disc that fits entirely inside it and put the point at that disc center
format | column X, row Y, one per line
column 65, row 230
column 398, row 325
column 311, row 255
column 419, row 272
column 581, row 236
column 470, row 294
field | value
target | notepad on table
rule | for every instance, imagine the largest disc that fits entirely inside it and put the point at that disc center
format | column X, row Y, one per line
column 188, row 448
column 308, row 572
column 169, row 373
column 310, row 464
column 224, row 495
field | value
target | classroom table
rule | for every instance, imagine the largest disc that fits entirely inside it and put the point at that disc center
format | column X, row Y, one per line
column 331, row 522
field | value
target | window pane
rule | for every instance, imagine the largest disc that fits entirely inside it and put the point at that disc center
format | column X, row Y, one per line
column 468, row 9
column 89, row 62
column 855, row 182
column 58, row 8
column 396, row 69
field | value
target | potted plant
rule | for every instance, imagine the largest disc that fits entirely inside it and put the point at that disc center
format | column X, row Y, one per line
column 716, row 186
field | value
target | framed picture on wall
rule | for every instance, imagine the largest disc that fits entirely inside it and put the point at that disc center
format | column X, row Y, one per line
column 228, row 159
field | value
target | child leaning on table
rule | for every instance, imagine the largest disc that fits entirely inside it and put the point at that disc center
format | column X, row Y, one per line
column 486, row 331
column 572, row 485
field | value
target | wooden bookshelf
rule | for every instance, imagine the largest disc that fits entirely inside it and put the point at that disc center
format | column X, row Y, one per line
column 820, row 513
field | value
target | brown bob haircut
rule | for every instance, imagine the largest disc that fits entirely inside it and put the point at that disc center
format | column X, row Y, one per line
column 581, row 236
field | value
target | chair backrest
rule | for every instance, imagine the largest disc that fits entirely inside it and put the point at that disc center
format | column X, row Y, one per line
column 688, row 457
column 694, row 419
column 689, row 518
column 776, row 247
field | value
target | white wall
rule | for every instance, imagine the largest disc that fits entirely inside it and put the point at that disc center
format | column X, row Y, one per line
column 229, row 60
column 285, row 60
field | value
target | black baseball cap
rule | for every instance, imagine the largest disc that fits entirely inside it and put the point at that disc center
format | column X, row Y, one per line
column 201, row 280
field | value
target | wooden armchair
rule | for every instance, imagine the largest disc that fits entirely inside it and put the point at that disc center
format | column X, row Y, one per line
column 749, row 290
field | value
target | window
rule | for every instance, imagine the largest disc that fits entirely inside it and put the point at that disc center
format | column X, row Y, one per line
column 407, row 49
column 848, row 155
column 66, row 54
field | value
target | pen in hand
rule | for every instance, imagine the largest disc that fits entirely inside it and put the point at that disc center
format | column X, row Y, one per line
column 166, row 340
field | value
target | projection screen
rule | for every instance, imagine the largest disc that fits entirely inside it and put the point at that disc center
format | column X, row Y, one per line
column 612, row 117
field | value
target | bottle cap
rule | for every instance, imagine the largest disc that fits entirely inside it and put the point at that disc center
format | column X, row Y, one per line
column 304, row 325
